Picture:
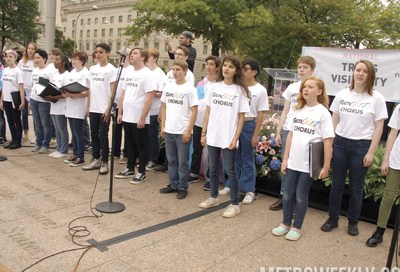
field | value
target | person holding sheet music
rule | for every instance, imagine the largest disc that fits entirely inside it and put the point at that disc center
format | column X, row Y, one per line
column 58, row 106
column 12, row 93
column 358, row 115
column 40, row 107
column 76, row 108
column 310, row 122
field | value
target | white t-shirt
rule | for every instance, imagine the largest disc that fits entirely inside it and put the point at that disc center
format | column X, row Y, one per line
column 11, row 77
column 59, row 107
column 170, row 77
column 178, row 99
column 136, row 84
column 258, row 100
column 357, row 113
column 202, row 88
column 100, row 90
column 290, row 94
column 76, row 106
column 159, row 81
column 394, row 158
column 27, row 70
column 47, row 73
column 225, row 102
column 120, row 83
column 309, row 124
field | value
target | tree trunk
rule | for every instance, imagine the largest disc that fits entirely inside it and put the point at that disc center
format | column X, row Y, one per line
column 215, row 49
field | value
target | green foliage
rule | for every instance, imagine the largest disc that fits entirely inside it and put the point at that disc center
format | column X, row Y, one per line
column 66, row 45
column 374, row 183
column 18, row 21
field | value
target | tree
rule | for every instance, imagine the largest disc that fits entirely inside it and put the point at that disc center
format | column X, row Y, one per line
column 66, row 45
column 216, row 21
column 18, row 21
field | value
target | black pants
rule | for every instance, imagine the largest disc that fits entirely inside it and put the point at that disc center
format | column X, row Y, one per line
column 99, row 134
column 14, row 121
column 137, row 142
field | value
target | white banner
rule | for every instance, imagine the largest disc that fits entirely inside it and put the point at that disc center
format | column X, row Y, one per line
column 335, row 67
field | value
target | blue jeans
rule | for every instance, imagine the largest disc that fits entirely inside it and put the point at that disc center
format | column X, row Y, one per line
column 86, row 132
column 77, row 137
column 42, row 121
column 153, row 138
column 284, row 138
column 348, row 156
column 229, row 165
column 245, row 162
column 61, row 129
column 297, row 187
column 178, row 161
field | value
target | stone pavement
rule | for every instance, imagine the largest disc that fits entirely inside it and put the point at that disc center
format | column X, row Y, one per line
column 40, row 195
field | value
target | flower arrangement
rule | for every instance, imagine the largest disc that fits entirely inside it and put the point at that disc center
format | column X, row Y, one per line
column 268, row 153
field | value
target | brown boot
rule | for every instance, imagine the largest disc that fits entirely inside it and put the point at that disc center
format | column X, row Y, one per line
column 276, row 206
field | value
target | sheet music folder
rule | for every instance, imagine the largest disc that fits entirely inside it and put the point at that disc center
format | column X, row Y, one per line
column 74, row 87
column 316, row 158
column 50, row 90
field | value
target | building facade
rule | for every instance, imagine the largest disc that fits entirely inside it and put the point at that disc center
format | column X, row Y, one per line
column 88, row 23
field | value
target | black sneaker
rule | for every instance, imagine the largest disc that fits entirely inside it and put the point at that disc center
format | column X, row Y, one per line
column 139, row 178
column 352, row 230
column 77, row 162
column 2, row 140
column 168, row 190
column 181, row 194
column 161, row 169
column 192, row 179
column 329, row 224
column 207, row 186
column 15, row 146
column 8, row 144
column 126, row 173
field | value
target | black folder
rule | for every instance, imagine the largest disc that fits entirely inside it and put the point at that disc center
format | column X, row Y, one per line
column 50, row 90
column 43, row 81
column 316, row 158
column 16, row 98
column 74, row 87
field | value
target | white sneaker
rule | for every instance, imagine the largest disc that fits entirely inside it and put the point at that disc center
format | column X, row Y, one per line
column 54, row 153
column 231, row 211
column 224, row 191
column 249, row 198
column 209, row 202
column 59, row 156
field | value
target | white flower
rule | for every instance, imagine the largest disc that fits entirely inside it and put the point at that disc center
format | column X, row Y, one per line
column 268, row 127
column 273, row 135
column 264, row 138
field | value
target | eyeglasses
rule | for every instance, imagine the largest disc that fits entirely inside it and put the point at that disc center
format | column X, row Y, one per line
column 245, row 69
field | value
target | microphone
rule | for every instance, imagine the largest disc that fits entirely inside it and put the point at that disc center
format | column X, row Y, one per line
column 124, row 51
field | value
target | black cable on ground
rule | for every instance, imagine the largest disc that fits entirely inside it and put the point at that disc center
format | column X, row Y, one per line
column 78, row 231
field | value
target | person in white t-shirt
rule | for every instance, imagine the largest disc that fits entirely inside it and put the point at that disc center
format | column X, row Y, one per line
column 103, row 76
column 181, row 53
column 178, row 114
column 58, row 106
column 26, row 65
column 135, row 103
column 391, row 169
column 159, row 81
column 212, row 65
column 227, row 101
column 40, row 107
column 310, row 122
column 305, row 68
column 245, row 161
column 12, row 83
column 76, row 107
column 358, row 115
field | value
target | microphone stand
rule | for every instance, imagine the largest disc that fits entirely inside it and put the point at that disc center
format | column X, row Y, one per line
column 110, row 206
